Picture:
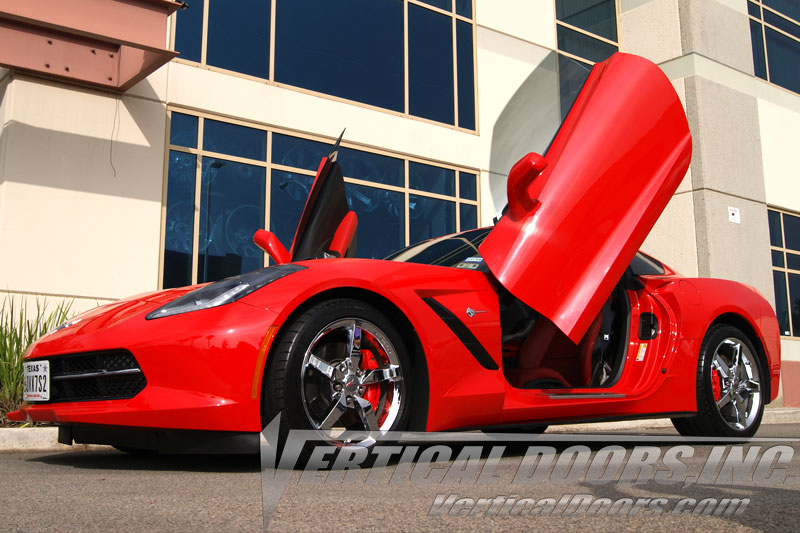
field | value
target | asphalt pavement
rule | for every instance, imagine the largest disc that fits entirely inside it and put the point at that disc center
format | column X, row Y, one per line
column 105, row 490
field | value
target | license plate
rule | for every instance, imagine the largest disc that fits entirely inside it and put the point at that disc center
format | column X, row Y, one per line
column 36, row 381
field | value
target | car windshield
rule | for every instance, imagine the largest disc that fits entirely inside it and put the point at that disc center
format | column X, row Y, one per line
column 460, row 250
column 449, row 251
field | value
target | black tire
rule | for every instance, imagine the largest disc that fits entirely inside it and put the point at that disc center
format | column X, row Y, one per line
column 309, row 388
column 734, row 405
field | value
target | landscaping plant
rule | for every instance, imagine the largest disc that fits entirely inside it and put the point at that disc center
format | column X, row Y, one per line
column 20, row 325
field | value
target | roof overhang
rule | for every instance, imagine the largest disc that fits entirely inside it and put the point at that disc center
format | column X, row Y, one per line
column 112, row 44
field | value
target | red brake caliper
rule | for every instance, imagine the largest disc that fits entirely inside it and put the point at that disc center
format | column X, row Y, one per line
column 716, row 385
column 372, row 392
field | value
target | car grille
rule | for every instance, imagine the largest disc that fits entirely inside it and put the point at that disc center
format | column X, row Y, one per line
column 108, row 375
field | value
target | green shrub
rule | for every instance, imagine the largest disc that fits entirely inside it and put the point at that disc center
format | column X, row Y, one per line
column 19, row 327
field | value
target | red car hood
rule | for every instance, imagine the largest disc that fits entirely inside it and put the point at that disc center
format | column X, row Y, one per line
column 103, row 318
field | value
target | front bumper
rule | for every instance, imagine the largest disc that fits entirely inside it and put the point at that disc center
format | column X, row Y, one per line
column 203, row 371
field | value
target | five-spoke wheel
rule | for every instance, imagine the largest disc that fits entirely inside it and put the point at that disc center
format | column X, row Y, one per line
column 730, row 400
column 340, row 368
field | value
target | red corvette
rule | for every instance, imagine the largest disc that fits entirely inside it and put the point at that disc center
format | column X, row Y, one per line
column 550, row 316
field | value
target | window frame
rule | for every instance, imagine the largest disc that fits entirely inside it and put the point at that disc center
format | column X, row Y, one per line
column 760, row 20
column 405, row 114
column 199, row 152
column 785, row 270
column 584, row 32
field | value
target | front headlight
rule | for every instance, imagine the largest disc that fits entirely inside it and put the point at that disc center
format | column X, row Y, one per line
column 224, row 291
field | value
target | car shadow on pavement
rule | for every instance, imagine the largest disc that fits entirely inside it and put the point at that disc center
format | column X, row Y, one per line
column 110, row 459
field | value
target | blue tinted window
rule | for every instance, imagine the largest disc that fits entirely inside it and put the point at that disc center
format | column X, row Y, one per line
column 381, row 220
column 464, row 8
column 372, row 167
column 572, row 75
column 179, row 233
column 447, row 5
column 781, row 302
column 238, row 36
column 467, row 186
column 790, row 8
column 298, row 153
column 466, row 76
column 791, row 230
column 231, row 139
column 775, row 231
column 231, row 210
column 430, row 64
column 469, row 216
column 793, row 261
column 777, row 259
column 431, row 179
column 753, row 9
column 349, row 48
column 430, row 217
column 757, row 41
column 784, row 56
column 582, row 45
column 183, row 130
column 794, row 303
column 189, row 31
column 595, row 16
column 781, row 23
column 288, row 194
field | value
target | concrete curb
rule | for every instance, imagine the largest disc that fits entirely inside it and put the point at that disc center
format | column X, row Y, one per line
column 46, row 438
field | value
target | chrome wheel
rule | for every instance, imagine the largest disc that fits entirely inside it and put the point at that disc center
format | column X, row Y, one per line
column 351, row 381
column 736, row 383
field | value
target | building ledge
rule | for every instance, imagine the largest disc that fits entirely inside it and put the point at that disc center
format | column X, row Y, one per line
column 112, row 44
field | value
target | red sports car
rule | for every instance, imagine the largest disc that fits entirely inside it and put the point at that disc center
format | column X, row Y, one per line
column 550, row 316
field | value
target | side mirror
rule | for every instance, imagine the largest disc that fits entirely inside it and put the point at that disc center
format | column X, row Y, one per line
column 522, row 174
column 344, row 235
column 267, row 241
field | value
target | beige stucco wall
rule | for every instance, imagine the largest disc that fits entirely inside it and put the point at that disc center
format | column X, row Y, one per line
column 82, row 175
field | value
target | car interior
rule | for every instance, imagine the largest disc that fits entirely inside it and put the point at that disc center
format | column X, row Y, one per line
column 537, row 355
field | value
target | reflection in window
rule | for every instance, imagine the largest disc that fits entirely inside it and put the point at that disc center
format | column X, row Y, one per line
column 297, row 152
column 189, row 32
column 582, row 45
column 183, row 130
column 775, row 42
column 372, row 167
column 352, row 49
column 775, row 231
column 431, row 179
column 781, row 302
column 794, row 303
column 349, row 48
column 572, row 74
column 467, row 187
column 594, row 16
column 381, row 224
column 230, row 205
column 231, row 208
column 430, row 217
column 231, row 139
column 592, row 30
column 784, row 56
column 179, row 231
column 786, row 269
column 430, row 64
column 466, row 76
column 469, row 216
column 288, row 193
column 791, row 231
column 237, row 29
